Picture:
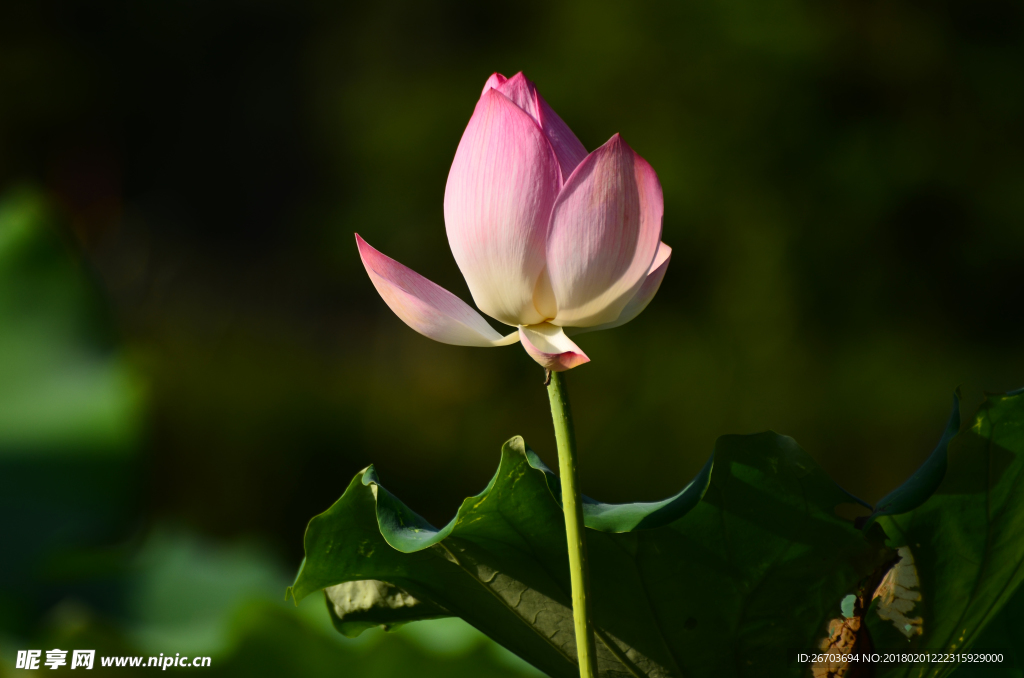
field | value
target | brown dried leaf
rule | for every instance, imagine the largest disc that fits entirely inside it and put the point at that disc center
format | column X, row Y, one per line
column 842, row 637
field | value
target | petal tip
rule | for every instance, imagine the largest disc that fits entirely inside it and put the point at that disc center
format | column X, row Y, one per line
column 495, row 80
column 569, row 360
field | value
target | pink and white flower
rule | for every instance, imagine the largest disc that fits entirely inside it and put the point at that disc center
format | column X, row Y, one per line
column 551, row 240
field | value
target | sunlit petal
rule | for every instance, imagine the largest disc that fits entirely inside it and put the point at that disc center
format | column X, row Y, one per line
column 501, row 187
column 643, row 296
column 427, row 307
column 605, row 231
column 523, row 93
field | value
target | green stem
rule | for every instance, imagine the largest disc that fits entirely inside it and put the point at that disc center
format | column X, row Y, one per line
column 572, row 507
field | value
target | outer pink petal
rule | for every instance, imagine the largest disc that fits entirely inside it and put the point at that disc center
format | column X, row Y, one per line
column 605, row 230
column 426, row 307
column 523, row 93
column 643, row 296
column 500, row 190
column 549, row 346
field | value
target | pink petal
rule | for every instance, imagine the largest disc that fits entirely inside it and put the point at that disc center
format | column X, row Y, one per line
column 568, row 148
column 426, row 307
column 643, row 296
column 549, row 346
column 494, row 82
column 605, row 230
column 500, row 190
column 523, row 93
column 519, row 90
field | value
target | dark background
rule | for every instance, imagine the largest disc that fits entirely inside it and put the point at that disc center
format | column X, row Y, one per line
column 844, row 195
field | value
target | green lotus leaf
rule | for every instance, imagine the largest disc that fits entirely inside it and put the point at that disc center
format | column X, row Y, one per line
column 731, row 577
column 965, row 542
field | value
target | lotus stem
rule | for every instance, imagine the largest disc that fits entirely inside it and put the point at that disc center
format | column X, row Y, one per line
column 572, row 507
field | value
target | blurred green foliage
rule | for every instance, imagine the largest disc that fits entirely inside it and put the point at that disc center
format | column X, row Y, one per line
column 70, row 425
column 80, row 570
column 843, row 190
column 64, row 390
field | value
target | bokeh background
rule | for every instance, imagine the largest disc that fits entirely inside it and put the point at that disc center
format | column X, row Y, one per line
column 193, row 362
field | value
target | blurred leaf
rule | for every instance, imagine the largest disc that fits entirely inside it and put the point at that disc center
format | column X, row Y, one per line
column 64, row 389
column 965, row 539
column 185, row 589
column 70, row 422
column 751, row 572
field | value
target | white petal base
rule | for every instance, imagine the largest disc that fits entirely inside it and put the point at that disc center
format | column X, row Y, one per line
column 548, row 345
column 643, row 296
